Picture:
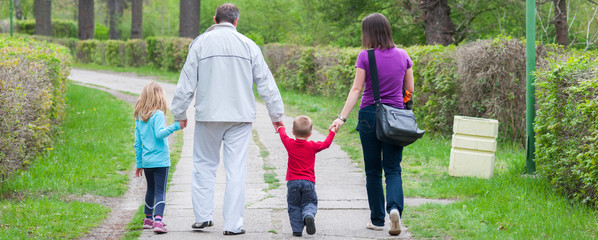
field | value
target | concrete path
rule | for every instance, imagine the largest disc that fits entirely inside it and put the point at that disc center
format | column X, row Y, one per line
column 343, row 209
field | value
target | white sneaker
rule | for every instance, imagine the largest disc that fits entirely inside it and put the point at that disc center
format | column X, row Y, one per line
column 395, row 223
column 371, row 226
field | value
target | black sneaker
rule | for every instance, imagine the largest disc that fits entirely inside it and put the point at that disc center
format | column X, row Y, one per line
column 297, row 234
column 310, row 226
column 202, row 225
column 234, row 233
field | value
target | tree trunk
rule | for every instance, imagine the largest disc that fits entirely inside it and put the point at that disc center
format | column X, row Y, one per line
column 18, row 10
column 439, row 26
column 115, row 9
column 189, row 18
column 560, row 22
column 86, row 19
column 136, row 18
column 43, row 17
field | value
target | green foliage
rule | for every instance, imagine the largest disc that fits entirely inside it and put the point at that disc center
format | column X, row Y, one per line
column 33, row 79
column 85, row 50
column 101, row 32
column 168, row 53
column 95, row 142
column 115, row 53
column 567, row 127
column 60, row 28
column 135, row 53
column 447, row 83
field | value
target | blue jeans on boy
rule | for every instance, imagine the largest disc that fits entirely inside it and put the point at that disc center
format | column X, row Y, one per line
column 302, row 200
column 155, row 196
column 378, row 155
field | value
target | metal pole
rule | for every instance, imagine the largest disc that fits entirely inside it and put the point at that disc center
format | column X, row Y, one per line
column 530, row 53
column 10, row 18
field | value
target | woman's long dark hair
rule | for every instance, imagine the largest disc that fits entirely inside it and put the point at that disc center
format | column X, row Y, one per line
column 375, row 32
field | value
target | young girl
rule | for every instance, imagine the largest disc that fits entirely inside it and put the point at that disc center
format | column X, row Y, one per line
column 151, row 152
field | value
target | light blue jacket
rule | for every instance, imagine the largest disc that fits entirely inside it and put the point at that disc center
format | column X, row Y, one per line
column 221, row 69
column 151, row 141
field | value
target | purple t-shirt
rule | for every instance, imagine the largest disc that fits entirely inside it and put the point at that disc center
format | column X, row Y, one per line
column 392, row 64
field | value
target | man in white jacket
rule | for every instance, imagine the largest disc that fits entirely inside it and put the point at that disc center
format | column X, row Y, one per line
column 221, row 69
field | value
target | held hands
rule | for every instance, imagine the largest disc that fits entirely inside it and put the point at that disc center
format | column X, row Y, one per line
column 336, row 125
column 277, row 125
column 183, row 123
column 139, row 172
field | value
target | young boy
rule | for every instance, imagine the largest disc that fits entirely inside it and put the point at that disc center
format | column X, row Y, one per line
column 301, row 194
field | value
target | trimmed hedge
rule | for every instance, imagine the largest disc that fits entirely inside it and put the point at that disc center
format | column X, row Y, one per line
column 60, row 28
column 447, row 82
column 33, row 78
column 167, row 53
column 567, row 127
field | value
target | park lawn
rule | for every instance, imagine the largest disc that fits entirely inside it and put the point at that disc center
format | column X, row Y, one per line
column 510, row 205
column 91, row 155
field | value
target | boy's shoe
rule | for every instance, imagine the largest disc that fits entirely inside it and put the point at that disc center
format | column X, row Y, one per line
column 159, row 227
column 205, row 224
column 234, row 233
column 395, row 223
column 148, row 223
column 371, row 226
column 297, row 234
column 310, row 226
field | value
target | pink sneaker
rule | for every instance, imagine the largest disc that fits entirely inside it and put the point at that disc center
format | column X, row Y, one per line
column 159, row 227
column 148, row 223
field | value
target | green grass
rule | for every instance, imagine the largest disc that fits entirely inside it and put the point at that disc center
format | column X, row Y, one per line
column 509, row 205
column 90, row 155
column 162, row 75
column 270, row 176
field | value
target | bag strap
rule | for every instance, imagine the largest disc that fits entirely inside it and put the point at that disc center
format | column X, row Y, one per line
column 374, row 75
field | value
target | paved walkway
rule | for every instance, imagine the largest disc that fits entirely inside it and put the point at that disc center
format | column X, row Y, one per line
column 343, row 209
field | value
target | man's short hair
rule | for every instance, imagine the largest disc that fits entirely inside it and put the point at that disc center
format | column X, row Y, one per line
column 227, row 12
column 302, row 126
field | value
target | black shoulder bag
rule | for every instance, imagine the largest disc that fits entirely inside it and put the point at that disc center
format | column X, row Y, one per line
column 393, row 125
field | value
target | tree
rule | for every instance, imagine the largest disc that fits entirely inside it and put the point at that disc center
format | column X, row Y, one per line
column 560, row 22
column 18, row 10
column 86, row 19
column 115, row 9
column 189, row 18
column 439, row 26
column 136, row 18
column 43, row 17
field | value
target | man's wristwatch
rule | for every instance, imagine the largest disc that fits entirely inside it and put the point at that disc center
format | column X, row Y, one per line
column 342, row 118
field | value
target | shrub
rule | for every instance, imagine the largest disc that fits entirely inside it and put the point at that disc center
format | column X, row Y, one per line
column 101, row 32
column 484, row 79
column 436, row 86
column 99, row 55
column 60, row 28
column 135, row 53
column 86, row 50
column 33, row 85
column 115, row 53
column 168, row 53
column 567, row 127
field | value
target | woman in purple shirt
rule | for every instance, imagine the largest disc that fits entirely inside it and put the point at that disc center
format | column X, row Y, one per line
column 394, row 74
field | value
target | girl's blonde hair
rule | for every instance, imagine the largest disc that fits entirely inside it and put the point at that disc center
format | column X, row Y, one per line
column 152, row 99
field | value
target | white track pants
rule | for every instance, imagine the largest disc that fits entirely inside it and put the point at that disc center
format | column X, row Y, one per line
column 234, row 138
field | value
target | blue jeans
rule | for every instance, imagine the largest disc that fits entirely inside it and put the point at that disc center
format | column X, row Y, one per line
column 155, row 196
column 379, row 155
column 302, row 200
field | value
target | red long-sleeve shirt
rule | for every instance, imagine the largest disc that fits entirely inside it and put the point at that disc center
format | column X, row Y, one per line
column 302, row 155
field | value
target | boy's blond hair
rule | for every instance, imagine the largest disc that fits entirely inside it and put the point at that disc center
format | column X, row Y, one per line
column 302, row 126
column 151, row 99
